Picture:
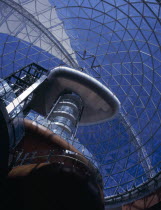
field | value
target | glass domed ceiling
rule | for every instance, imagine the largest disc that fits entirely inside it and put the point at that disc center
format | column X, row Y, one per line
column 118, row 43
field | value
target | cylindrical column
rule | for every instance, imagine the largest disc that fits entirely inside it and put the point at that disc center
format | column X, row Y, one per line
column 65, row 115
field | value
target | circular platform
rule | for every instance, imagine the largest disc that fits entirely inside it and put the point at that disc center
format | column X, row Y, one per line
column 52, row 186
column 52, row 174
column 100, row 104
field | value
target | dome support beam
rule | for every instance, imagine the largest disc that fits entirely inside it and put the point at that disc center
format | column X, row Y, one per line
column 43, row 29
column 142, row 153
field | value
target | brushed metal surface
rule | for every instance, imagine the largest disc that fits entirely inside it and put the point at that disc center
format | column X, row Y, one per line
column 100, row 104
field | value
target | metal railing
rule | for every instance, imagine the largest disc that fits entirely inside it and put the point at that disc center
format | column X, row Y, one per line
column 63, row 158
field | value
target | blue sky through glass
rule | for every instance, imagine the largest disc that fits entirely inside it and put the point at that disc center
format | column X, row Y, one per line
column 118, row 43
